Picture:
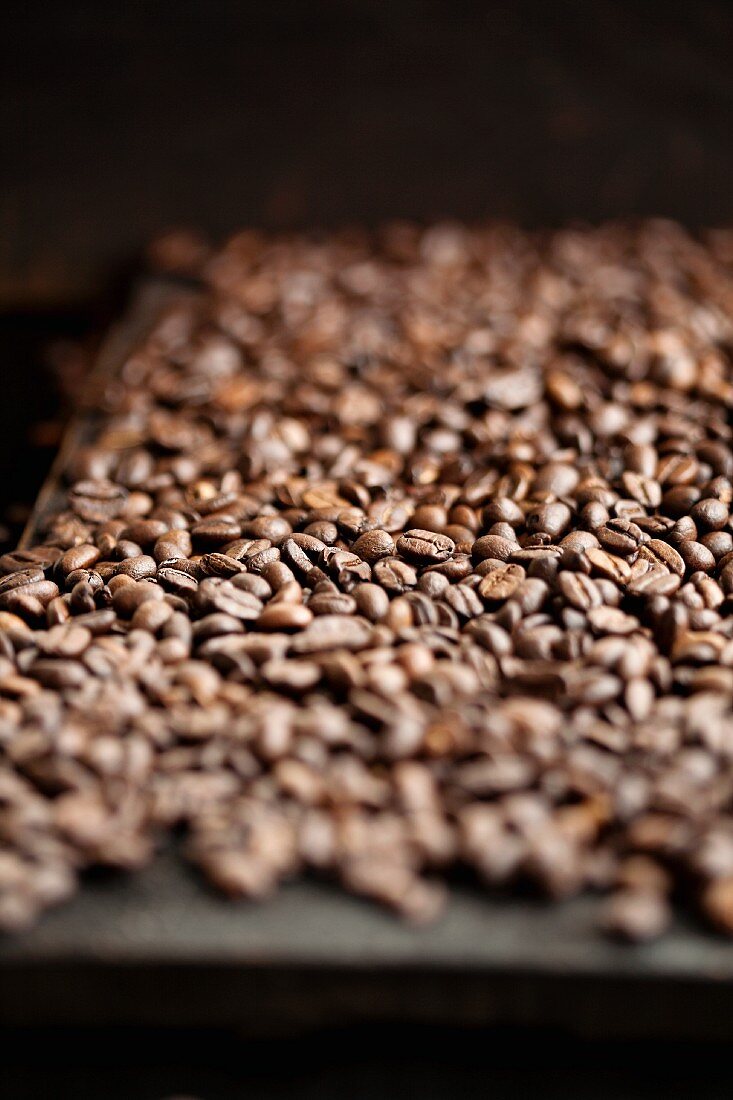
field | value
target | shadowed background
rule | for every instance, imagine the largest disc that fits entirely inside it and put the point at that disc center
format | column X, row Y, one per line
column 119, row 119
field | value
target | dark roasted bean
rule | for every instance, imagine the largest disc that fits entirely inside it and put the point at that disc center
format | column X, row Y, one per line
column 696, row 556
column 176, row 581
column 333, row 632
column 397, row 576
column 221, row 595
column 217, row 531
column 285, row 616
column 552, row 519
column 219, row 565
column 138, row 568
column 332, row 603
column 425, row 546
column 373, row 545
column 97, row 501
column 493, row 546
column 500, row 584
column 371, row 600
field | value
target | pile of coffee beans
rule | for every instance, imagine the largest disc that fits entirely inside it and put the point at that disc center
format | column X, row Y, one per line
column 396, row 557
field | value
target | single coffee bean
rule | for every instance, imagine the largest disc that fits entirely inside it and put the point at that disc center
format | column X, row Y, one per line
column 373, row 545
column 372, row 601
column 493, row 546
column 425, row 546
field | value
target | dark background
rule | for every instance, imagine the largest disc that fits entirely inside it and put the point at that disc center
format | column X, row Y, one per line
column 119, row 120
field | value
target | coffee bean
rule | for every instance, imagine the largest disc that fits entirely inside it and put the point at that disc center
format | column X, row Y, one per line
column 256, row 585
column 219, row 565
column 643, row 489
column 138, row 568
column 397, row 576
column 661, row 553
column 552, row 519
column 610, row 566
column 373, row 545
column 215, row 531
column 79, row 557
column 424, row 546
column 285, row 616
column 215, row 594
column 696, row 556
column 493, row 546
column 371, row 601
column 19, row 579
column 41, row 557
column 177, row 581
column 332, row 603
column 710, row 514
column 97, row 500
column 620, row 536
column 580, row 591
column 500, row 584
column 333, row 632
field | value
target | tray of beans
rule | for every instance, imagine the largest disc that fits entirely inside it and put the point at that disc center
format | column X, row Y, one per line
column 369, row 650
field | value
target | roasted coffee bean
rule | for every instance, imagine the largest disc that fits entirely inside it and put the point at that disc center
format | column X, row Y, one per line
column 174, row 544
column 216, row 531
column 20, row 579
column 396, row 576
column 620, row 536
column 284, row 616
column 79, row 557
column 145, row 532
column 219, row 565
column 580, row 591
column 371, row 600
column 257, row 585
column 710, row 514
column 177, row 581
column 332, row 603
column 552, row 519
column 138, row 568
column 661, row 553
column 501, row 583
column 696, row 556
column 297, row 558
column 373, row 545
column 42, row 557
column 425, row 547
column 214, row 594
column 274, row 528
column 333, row 632
column 493, row 546
column 612, row 566
column 643, row 489
column 345, row 567
column 323, row 530
column 503, row 510
column 97, row 501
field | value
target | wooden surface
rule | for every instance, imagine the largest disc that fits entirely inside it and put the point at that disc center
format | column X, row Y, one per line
column 160, row 948
column 157, row 948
